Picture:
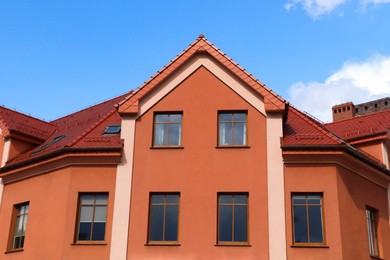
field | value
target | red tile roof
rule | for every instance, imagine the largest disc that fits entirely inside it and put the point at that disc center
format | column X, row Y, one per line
column 14, row 122
column 301, row 129
column 273, row 102
column 83, row 129
column 362, row 126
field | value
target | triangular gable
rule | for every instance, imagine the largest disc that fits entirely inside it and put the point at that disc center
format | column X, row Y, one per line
column 272, row 102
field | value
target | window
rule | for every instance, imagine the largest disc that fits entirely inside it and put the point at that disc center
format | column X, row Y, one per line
column 371, row 217
column 307, row 219
column 232, row 218
column 232, row 128
column 163, row 218
column 167, row 129
column 91, row 224
column 112, row 130
column 19, row 224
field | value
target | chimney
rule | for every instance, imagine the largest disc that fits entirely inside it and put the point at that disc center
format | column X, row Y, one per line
column 343, row 111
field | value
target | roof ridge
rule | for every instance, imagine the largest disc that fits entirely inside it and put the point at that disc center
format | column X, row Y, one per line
column 273, row 102
column 158, row 72
column 91, row 106
column 23, row 114
column 244, row 70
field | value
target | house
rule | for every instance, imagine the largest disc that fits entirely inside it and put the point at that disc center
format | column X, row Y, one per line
column 203, row 161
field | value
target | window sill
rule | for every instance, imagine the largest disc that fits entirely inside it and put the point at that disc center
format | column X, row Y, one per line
column 309, row 246
column 162, row 244
column 89, row 243
column 234, row 244
column 14, row 251
column 167, row 147
column 231, row 146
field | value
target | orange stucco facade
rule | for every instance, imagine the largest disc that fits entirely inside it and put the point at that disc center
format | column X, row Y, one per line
column 52, row 217
column 286, row 156
column 199, row 171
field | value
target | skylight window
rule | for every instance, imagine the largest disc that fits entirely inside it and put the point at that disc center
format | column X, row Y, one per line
column 112, row 130
column 54, row 140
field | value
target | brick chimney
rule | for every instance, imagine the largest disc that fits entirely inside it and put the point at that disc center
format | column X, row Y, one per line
column 343, row 111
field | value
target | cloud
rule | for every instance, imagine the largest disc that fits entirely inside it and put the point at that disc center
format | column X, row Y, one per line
column 355, row 82
column 316, row 8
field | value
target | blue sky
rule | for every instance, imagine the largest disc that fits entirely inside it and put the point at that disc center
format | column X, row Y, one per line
column 57, row 57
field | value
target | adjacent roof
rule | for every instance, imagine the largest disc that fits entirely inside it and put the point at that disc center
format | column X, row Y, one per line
column 14, row 122
column 272, row 101
column 301, row 129
column 81, row 130
column 362, row 126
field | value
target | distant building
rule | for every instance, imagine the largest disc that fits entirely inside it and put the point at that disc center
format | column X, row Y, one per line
column 203, row 161
column 349, row 110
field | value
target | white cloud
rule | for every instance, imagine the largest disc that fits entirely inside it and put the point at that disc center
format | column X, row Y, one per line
column 316, row 8
column 354, row 82
column 375, row 1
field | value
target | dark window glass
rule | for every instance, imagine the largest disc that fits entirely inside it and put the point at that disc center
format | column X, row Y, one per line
column 307, row 218
column 232, row 128
column 232, row 218
column 21, row 216
column 164, row 217
column 92, row 217
column 167, row 129
column 371, row 217
column 112, row 130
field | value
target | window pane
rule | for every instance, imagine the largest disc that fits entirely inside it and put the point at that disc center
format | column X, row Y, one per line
column 240, row 199
column 18, row 226
column 175, row 134
column 157, row 198
column 171, row 221
column 172, row 198
column 99, row 229
column 100, row 214
column 225, row 199
column 240, row 223
column 161, row 134
column 225, row 117
column 162, row 118
column 299, row 199
column 175, row 118
column 156, row 223
column 101, row 199
column 241, row 117
column 239, row 133
column 84, row 230
column 300, row 227
column 225, row 223
column 315, row 224
column 225, row 133
column 86, row 213
column 314, row 199
column 87, row 199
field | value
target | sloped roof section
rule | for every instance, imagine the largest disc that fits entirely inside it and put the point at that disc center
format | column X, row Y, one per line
column 14, row 122
column 273, row 102
column 361, row 126
column 301, row 129
column 83, row 129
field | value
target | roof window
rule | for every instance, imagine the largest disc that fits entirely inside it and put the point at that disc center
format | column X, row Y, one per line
column 112, row 130
column 54, row 140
